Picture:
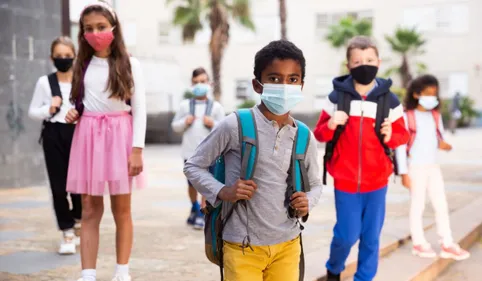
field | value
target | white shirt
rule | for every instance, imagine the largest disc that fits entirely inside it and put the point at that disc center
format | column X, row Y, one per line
column 197, row 132
column 42, row 100
column 97, row 99
column 424, row 150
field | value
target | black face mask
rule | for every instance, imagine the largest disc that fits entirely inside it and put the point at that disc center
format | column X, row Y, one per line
column 63, row 65
column 364, row 74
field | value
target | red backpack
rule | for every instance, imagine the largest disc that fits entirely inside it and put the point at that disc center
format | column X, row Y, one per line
column 412, row 127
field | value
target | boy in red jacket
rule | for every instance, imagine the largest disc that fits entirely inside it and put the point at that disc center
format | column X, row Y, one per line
column 359, row 163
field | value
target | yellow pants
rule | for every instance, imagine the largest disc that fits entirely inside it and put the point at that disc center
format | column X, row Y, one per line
column 278, row 262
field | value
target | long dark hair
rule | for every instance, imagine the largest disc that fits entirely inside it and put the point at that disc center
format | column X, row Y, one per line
column 416, row 87
column 120, row 74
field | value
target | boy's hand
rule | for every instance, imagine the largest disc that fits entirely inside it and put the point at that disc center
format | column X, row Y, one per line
column 135, row 162
column 241, row 190
column 338, row 118
column 444, row 146
column 386, row 130
column 208, row 121
column 72, row 116
column 203, row 202
column 406, row 181
column 189, row 120
column 299, row 202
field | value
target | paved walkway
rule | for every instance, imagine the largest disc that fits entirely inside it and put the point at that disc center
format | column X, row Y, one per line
column 165, row 248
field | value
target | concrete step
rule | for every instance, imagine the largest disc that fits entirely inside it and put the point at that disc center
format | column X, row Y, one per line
column 395, row 233
column 401, row 265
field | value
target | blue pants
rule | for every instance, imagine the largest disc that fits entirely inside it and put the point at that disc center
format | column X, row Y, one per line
column 358, row 216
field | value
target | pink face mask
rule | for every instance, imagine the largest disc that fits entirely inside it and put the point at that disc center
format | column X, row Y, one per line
column 100, row 40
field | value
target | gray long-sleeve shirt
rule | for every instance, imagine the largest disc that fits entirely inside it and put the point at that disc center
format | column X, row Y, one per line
column 267, row 213
column 196, row 132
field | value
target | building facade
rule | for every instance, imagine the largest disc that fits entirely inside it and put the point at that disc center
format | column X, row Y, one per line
column 26, row 30
column 451, row 28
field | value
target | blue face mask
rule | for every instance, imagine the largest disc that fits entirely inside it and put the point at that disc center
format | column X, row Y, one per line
column 281, row 98
column 428, row 102
column 200, row 89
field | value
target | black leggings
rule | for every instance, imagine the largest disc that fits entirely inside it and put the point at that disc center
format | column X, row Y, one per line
column 56, row 142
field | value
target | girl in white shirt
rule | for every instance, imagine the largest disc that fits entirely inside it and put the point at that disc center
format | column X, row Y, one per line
column 50, row 103
column 109, row 95
column 420, row 170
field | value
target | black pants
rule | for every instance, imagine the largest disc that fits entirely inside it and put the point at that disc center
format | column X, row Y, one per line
column 56, row 142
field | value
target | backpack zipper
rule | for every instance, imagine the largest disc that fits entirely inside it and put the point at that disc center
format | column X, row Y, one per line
column 360, row 149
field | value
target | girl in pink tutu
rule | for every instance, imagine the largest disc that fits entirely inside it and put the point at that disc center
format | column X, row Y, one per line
column 106, row 155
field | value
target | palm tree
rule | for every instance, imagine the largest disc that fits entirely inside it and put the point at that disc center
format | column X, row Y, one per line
column 348, row 27
column 189, row 16
column 406, row 41
column 282, row 18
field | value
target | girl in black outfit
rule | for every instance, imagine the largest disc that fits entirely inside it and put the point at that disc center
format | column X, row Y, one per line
column 50, row 103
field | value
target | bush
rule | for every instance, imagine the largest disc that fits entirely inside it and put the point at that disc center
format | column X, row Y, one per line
column 467, row 108
column 247, row 104
column 188, row 95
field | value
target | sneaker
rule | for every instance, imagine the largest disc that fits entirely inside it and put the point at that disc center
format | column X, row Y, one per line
column 191, row 220
column 332, row 277
column 67, row 246
column 122, row 278
column 423, row 251
column 454, row 252
column 199, row 222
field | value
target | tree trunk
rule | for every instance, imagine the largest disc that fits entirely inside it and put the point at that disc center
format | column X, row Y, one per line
column 218, row 20
column 405, row 72
column 282, row 17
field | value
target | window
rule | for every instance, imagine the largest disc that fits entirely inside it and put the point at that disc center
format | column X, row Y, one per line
column 325, row 20
column 163, row 32
column 443, row 18
column 243, row 89
column 324, row 86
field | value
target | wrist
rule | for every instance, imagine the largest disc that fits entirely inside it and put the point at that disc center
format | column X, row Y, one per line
column 137, row 150
column 330, row 125
column 222, row 193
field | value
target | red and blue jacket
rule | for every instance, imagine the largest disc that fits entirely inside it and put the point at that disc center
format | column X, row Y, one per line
column 359, row 163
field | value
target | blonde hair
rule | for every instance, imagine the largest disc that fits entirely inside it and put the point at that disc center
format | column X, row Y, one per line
column 64, row 40
column 362, row 43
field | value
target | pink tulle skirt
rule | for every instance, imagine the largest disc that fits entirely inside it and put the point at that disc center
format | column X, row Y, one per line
column 99, row 155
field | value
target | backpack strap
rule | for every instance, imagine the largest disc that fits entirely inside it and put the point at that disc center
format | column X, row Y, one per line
column 248, row 140
column 343, row 104
column 383, row 112
column 436, row 118
column 412, row 129
column 302, row 140
column 209, row 107
column 300, row 177
column 192, row 107
column 54, row 88
column 79, row 105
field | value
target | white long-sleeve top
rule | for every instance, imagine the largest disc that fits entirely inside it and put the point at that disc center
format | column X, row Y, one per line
column 42, row 99
column 424, row 149
column 97, row 99
column 193, row 135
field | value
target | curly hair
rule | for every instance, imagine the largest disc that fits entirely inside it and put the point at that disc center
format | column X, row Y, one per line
column 280, row 49
column 416, row 87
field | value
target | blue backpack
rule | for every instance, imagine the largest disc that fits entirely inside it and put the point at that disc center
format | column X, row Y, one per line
column 216, row 219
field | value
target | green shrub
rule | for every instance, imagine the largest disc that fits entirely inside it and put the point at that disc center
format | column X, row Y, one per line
column 188, row 95
column 247, row 104
column 467, row 108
